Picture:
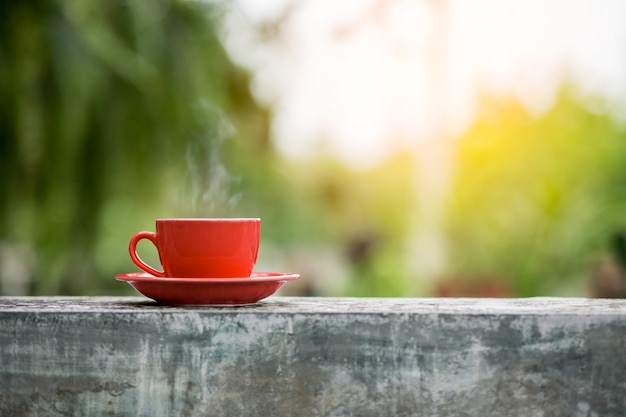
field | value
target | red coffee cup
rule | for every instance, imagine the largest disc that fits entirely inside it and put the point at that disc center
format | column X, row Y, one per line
column 202, row 248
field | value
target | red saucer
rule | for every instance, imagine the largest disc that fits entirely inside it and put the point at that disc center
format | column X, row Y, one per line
column 207, row 291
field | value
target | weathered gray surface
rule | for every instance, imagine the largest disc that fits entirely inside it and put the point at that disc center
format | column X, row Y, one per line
column 313, row 357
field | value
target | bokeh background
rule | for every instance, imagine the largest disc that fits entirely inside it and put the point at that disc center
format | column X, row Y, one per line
column 390, row 147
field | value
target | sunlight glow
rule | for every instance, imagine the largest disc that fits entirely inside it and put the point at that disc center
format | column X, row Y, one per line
column 361, row 79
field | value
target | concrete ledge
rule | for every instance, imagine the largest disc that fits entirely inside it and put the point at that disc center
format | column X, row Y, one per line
column 313, row 357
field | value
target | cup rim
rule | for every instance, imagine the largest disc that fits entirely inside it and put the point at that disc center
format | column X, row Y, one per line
column 209, row 219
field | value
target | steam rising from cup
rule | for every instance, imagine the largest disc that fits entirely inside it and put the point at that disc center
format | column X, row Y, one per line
column 207, row 189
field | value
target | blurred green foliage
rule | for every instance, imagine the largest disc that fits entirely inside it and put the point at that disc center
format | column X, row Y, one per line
column 537, row 200
column 114, row 113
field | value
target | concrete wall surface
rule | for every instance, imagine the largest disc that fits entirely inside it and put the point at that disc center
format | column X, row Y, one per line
column 128, row 356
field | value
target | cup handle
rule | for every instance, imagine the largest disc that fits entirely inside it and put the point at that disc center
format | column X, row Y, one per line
column 132, row 249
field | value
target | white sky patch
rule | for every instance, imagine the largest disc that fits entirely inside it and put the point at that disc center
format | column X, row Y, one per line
column 362, row 78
